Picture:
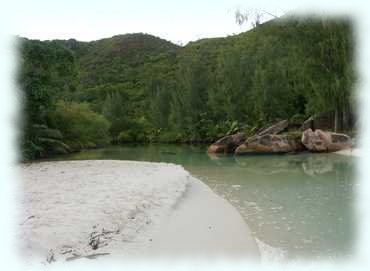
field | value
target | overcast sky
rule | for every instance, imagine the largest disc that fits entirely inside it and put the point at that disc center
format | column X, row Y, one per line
column 178, row 21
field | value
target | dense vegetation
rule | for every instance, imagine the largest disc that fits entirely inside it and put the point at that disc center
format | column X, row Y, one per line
column 139, row 88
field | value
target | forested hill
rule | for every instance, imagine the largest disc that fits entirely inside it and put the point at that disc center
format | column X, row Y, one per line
column 140, row 88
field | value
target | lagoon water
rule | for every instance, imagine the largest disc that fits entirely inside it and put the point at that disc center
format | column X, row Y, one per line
column 297, row 206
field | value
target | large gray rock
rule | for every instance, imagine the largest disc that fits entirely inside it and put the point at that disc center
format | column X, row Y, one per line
column 268, row 144
column 320, row 141
column 227, row 144
column 274, row 129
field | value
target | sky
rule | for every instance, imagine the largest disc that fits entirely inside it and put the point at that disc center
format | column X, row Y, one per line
column 177, row 21
column 174, row 20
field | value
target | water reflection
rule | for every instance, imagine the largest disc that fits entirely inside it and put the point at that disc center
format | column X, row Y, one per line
column 299, row 204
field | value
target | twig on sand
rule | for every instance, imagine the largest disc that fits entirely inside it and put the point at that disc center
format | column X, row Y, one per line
column 50, row 257
column 66, row 251
column 30, row 217
column 90, row 256
column 98, row 240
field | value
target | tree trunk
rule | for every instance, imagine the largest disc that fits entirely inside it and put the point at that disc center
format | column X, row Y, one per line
column 338, row 120
column 346, row 125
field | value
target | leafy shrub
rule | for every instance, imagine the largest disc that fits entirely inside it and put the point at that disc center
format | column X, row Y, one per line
column 297, row 119
column 81, row 127
column 44, row 132
column 172, row 137
column 125, row 137
column 29, row 150
column 44, row 142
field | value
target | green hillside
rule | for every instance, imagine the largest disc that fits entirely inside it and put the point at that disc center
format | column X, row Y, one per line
column 140, row 88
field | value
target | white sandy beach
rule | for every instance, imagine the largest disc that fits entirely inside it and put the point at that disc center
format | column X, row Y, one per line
column 204, row 225
column 350, row 152
column 124, row 209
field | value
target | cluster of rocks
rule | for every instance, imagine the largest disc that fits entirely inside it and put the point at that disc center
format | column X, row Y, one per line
column 320, row 141
column 276, row 140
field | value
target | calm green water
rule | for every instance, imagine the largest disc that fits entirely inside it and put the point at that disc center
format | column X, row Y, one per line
column 300, row 206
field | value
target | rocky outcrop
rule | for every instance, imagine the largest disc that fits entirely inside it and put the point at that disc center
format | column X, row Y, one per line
column 268, row 141
column 340, row 142
column 268, row 144
column 273, row 129
column 227, row 144
column 315, row 141
column 320, row 141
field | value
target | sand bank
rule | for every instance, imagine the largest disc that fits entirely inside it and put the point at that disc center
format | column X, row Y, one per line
column 204, row 225
column 123, row 209
column 350, row 152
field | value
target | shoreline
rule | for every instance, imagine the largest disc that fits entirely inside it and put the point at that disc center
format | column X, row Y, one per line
column 204, row 225
column 106, row 208
column 350, row 152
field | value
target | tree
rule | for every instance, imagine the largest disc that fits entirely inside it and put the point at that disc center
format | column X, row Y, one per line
column 116, row 110
column 160, row 103
column 253, row 16
column 48, row 71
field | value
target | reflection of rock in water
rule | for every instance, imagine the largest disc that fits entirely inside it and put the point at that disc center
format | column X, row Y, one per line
column 323, row 163
column 221, row 159
column 310, row 164
column 317, row 164
column 215, row 156
column 269, row 164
